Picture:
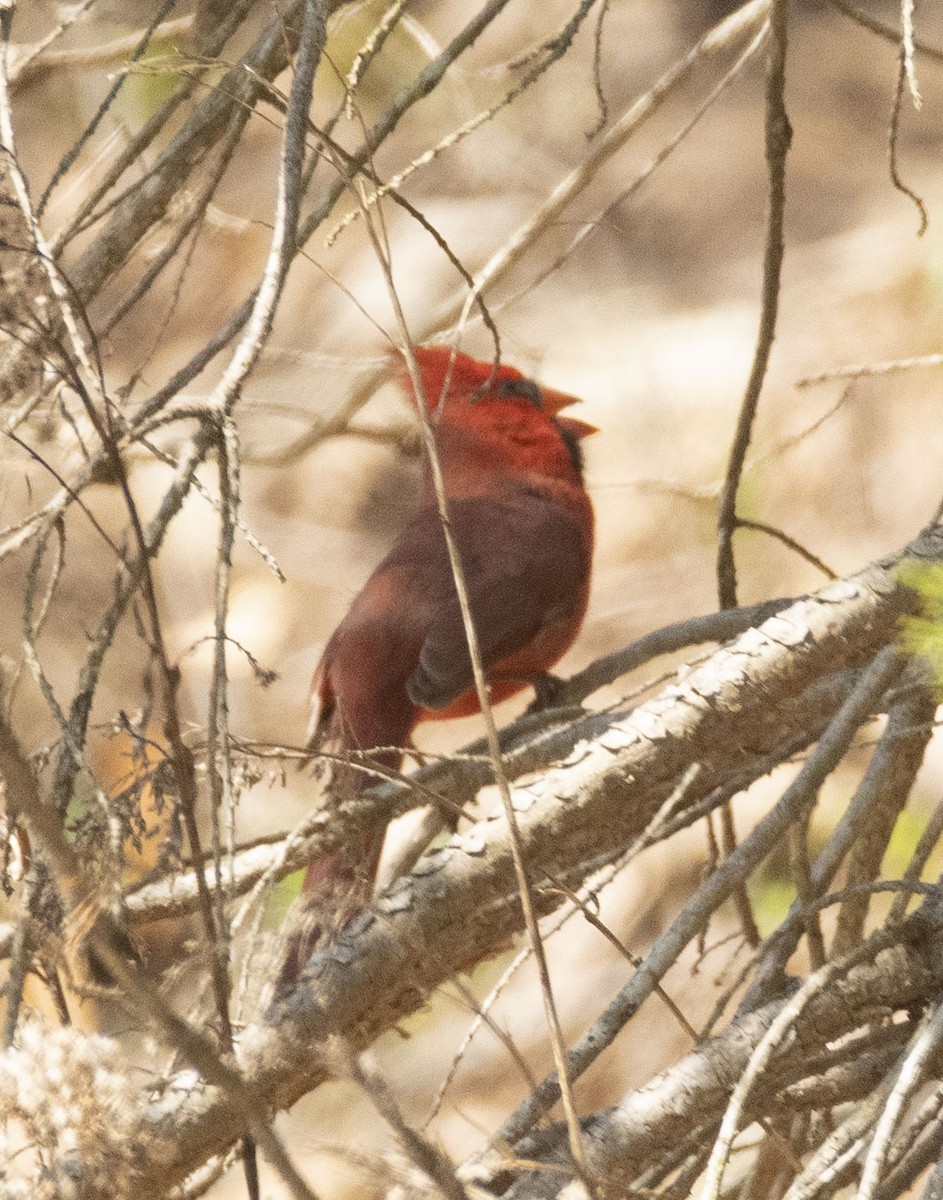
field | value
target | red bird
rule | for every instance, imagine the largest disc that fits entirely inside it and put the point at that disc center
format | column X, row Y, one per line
column 523, row 524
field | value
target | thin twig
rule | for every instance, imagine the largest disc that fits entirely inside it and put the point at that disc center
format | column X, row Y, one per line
column 713, row 892
column 884, row 790
column 598, row 220
column 424, row 84
column 32, row 62
column 904, row 76
column 866, row 370
column 137, row 52
column 773, row 532
column 887, row 32
column 909, row 1078
column 778, row 137
column 430, row 1160
column 554, row 50
column 907, row 50
column 813, row 986
column 725, row 33
column 483, row 694
column 80, row 895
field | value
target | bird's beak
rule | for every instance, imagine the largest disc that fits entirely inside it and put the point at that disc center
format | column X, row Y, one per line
column 576, row 427
column 554, row 402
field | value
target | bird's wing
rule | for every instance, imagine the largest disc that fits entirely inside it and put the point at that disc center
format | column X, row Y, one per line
column 525, row 561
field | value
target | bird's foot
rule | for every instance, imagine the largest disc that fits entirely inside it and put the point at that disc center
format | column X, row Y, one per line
column 548, row 691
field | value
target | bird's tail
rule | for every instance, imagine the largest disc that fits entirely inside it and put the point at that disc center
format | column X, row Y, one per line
column 338, row 885
column 335, row 888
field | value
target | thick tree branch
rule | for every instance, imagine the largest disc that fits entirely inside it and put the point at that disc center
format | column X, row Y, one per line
column 459, row 905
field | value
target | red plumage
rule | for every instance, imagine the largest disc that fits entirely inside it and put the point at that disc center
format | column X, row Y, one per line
column 523, row 524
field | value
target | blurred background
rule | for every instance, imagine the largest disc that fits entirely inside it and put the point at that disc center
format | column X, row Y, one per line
column 651, row 319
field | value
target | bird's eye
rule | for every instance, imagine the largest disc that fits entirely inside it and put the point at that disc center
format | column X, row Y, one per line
column 525, row 388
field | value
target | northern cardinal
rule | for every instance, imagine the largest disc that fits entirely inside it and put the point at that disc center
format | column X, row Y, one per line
column 523, row 523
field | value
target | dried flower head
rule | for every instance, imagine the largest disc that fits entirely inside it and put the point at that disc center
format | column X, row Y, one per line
column 69, row 1097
